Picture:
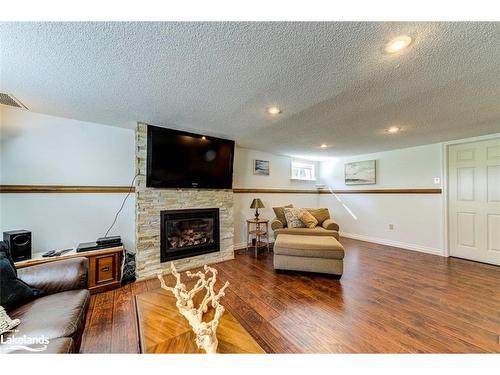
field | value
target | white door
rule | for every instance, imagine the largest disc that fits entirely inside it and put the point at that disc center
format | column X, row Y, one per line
column 474, row 200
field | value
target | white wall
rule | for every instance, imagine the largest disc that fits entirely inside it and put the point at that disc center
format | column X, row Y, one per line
column 37, row 149
column 40, row 149
column 279, row 178
column 417, row 218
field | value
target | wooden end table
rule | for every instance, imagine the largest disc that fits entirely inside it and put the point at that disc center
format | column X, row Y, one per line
column 105, row 266
column 258, row 229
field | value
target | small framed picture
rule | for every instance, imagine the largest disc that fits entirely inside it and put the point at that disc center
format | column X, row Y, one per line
column 261, row 167
column 361, row 173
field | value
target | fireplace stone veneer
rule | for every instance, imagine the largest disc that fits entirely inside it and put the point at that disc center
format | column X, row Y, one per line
column 149, row 204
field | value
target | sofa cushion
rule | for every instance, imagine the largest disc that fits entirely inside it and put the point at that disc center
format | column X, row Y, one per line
column 13, row 291
column 309, row 264
column 308, row 246
column 57, row 315
column 317, row 231
column 293, row 219
column 276, row 224
column 307, row 218
column 329, row 224
column 321, row 214
column 55, row 277
column 280, row 213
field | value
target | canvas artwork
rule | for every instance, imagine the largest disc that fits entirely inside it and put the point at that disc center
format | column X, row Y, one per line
column 261, row 167
column 360, row 173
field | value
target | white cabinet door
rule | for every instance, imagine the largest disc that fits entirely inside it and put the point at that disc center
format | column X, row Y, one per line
column 474, row 200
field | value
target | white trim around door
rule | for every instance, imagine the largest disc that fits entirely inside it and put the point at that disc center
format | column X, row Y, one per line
column 475, row 217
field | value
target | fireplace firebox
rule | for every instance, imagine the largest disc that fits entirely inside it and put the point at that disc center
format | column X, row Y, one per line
column 187, row 233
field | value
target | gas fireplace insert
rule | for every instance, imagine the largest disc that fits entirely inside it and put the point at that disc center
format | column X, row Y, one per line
column 189, row 232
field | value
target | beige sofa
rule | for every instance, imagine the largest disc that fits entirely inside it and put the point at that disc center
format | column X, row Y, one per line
column 309, row 249
column 326, row 226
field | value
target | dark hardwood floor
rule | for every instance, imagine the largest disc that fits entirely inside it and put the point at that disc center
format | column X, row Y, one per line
column 388, row 301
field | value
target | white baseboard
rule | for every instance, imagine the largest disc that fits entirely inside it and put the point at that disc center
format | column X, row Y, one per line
column 402, row 245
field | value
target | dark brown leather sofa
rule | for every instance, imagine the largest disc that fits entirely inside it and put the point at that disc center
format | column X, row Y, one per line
column 60, row 315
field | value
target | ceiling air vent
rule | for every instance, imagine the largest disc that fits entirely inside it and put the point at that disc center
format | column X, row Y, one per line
column 8, row 99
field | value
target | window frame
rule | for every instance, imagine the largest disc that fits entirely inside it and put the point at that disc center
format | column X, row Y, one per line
column 305, row 165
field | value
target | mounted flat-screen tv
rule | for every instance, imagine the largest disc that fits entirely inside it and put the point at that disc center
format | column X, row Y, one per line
column 178, row 159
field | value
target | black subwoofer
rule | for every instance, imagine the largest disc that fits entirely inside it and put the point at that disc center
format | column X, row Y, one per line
column 19, row 242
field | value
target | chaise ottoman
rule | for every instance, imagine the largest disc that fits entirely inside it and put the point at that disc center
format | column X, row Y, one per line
column 323, row 254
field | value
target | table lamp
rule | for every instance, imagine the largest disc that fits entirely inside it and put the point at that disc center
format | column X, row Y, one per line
column 257, row 203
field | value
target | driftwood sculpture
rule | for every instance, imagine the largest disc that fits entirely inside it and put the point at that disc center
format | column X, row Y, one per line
column 206, row 337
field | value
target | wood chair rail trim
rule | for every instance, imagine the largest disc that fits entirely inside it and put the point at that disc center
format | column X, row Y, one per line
column 64, row 189
column 126, row 189
column 351, row 191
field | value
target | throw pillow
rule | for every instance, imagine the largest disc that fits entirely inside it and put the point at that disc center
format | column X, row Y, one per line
column 308, row 219
column 280, row 213
column 321, row 214
column 13, row 291
column 4, row 248
column 293, row 219
column 6, row 323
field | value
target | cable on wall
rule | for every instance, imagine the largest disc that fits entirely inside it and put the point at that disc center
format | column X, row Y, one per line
column 123, row 204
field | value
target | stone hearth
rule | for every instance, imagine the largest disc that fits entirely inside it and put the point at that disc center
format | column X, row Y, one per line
column 150, row 202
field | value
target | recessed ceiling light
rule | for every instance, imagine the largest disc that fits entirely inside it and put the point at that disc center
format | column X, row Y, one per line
column 393, row 129
column 397, row 44
column 274, row 110
column 324, row 145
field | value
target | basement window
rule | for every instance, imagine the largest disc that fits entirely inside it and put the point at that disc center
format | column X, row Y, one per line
column 303, row 171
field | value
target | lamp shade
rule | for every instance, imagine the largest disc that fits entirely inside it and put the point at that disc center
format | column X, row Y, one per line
column 257, row 203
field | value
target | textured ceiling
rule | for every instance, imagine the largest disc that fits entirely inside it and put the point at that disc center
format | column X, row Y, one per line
column 333, row 80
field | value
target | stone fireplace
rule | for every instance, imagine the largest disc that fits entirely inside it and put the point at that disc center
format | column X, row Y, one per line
column 186, row 233
column 151, row 202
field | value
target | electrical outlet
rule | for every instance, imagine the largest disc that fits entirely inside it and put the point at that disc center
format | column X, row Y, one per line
column 437, row 180
column 391, row 226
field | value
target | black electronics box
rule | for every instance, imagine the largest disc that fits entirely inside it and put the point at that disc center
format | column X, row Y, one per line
column 101, row 243
column 109, row 240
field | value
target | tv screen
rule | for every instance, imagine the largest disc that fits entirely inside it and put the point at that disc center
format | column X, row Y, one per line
column 178, row 159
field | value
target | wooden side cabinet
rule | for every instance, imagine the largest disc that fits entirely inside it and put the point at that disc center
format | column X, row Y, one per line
column 105, row 266
column 105, row 271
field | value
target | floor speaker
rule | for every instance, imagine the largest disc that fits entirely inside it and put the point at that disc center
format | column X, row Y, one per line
column 19, row 242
